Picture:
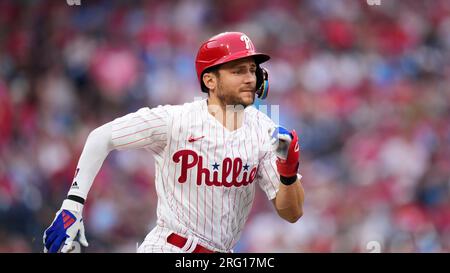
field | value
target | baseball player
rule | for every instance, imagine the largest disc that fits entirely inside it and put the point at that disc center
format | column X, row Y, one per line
column 210, row 154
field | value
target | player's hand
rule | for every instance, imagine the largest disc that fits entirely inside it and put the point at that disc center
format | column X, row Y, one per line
column 286, row 147
column 67, row 226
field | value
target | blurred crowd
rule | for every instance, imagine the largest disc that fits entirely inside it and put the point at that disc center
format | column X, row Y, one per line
column 366, row 86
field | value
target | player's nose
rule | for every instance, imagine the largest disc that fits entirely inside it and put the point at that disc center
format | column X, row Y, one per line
column 250, row 78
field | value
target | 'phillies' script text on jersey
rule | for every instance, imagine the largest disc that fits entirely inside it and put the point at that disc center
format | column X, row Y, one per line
column 229, row 166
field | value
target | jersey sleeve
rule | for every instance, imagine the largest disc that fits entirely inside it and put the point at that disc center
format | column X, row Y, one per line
column 267, row 175
column 145, row 128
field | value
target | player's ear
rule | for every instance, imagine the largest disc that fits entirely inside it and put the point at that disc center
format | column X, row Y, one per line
column 209, row 80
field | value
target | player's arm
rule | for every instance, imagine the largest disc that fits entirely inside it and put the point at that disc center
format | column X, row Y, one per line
column 290, row 196
column 289, row 201
column 68, row 222
column 146, row 128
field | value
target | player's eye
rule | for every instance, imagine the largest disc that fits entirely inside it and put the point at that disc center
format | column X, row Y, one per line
column 240, row 71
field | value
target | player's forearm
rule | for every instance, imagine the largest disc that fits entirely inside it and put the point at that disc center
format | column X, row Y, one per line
column 289, row 201
column 97, row 147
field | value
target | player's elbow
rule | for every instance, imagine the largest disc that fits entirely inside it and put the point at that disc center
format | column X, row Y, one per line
column 101, row 137
column 294, row 217
column 100, row 131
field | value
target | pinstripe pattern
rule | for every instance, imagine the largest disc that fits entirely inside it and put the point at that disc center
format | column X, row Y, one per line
column 215, row 214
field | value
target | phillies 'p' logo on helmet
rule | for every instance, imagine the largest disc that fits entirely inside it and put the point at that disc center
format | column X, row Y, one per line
column 226, row 47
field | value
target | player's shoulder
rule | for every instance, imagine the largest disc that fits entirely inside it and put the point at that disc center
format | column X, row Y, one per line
column 187, row 107
column 171, row 109
column 193, row 105
column 255, row 115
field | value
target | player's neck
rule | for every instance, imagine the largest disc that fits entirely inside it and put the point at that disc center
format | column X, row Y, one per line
column 229, row 116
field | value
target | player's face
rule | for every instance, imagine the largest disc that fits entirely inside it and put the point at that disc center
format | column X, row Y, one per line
column 237, row 82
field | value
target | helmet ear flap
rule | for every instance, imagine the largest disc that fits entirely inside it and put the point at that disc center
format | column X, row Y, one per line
column 262, row 82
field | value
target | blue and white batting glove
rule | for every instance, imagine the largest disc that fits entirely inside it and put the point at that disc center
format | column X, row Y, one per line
column 67, row 226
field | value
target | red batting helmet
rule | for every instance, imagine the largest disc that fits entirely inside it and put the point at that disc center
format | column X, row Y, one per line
column 230, row 46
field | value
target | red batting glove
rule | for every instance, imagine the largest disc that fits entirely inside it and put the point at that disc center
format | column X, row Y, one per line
column 287, row 149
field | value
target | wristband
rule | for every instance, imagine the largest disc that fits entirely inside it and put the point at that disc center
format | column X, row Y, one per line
column 76, row 199
column 288, row 180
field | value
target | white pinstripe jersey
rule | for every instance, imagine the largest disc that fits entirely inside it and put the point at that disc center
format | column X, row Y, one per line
column 205, row 174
